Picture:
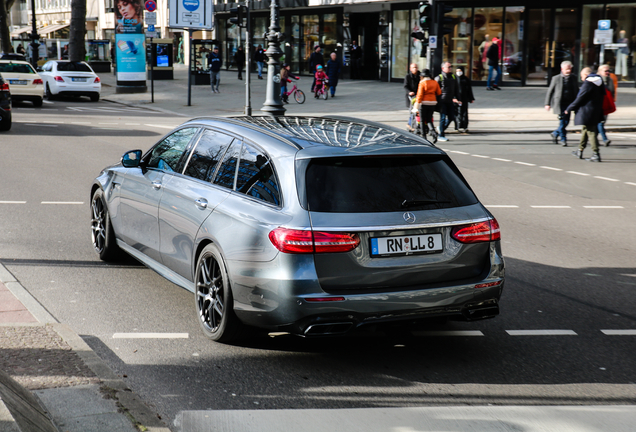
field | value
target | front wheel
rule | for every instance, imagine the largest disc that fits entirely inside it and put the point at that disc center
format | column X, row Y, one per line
column 213, row 297
column 325, row 94
column 299, row 96
column 102, row 233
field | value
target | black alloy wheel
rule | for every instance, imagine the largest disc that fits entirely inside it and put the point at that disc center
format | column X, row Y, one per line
column 102, row 233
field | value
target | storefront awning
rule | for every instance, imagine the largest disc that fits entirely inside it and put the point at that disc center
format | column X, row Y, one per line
column 51, row 28
column 18, row 32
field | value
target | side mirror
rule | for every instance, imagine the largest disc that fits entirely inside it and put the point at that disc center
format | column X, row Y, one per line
column 131, row 159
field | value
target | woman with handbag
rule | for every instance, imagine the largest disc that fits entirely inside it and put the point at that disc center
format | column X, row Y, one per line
column 428, row 92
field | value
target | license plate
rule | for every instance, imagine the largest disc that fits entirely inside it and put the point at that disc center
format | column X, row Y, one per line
column 407, row 245
column 78, row 79
column 17, row 82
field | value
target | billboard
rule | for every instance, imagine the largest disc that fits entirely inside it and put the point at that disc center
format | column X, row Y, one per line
column 129, row 40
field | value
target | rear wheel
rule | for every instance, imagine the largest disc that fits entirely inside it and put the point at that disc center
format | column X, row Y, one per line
column 37, row 103
column 299, row 96
column 213, row 297
column 5, row 122
column 102, row 233
column 49, row 95
column 94, row 97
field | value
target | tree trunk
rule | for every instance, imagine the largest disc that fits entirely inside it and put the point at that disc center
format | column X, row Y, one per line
column 76, row 44
column 5, row 34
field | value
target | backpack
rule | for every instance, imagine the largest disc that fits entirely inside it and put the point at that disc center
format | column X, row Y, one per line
column 608, row 103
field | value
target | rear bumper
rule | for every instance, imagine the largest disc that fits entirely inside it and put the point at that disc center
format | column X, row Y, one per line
column 78, row 93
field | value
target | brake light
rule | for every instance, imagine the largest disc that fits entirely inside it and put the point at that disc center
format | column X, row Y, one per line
column 4, row 87
column 477, row 232
column 305, row 241
column 97, row 79
column 37, row 81
column 59, row 79
column 489, row 284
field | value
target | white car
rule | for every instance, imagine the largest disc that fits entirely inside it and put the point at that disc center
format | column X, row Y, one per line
column 66, row 78
column 24, row 81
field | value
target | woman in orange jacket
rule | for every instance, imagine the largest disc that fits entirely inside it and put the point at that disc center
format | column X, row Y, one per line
column 427, row 93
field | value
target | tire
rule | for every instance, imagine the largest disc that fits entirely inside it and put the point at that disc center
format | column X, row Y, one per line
column 324, row 95
column 5, row 124
column 102, row 233
column 213, row 297
column 49, row 96
column 37, row 103
column 94, row 97
column 299, row 96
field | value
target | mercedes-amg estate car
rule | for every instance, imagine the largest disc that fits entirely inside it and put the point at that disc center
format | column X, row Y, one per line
column 312, row 226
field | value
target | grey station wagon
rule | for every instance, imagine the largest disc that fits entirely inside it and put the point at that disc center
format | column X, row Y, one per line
column 312, row 226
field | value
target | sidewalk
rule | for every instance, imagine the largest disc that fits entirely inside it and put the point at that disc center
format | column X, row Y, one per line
column 511, row 110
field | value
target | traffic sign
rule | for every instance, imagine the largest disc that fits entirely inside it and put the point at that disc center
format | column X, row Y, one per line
column 432, row 41
column 151, row 5
column 151, row 18
column 604, row 24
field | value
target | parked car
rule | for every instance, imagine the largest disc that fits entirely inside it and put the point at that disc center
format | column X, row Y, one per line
column 5, row 105
column 24, row 81
column 67, row 78
column 312, row 226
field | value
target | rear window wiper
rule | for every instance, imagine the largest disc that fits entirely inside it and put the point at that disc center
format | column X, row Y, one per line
column 414, row 203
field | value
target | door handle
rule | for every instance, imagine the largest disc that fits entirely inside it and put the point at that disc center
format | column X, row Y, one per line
column 202, row 203
column 156, row 185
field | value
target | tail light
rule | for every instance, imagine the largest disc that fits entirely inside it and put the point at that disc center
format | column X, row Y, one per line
column 4, row 87
column 304, row 241
column 37, row 81
column 59, row 79
column 97, row 79
column 477, row 232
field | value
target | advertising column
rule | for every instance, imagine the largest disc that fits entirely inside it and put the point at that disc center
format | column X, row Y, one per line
column 129, row 47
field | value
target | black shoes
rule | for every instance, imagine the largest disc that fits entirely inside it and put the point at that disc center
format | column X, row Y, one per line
column 578, row 154
column 490, row 88
column 596, row 157
column 564, row 143
column 555, row 138
column 607, row 143
column 497, row 87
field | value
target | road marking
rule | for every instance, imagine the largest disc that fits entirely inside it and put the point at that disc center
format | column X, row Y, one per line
column 110, row 124
column 47, row 102
column 502, row 206
column 525, row 163
column 619, row 332
column 481, row 156
column 577, row 173
column 606, row 178
column 133, row 124
column 167, row 127
column 452, row 151
column 550, row 207
column 63, row 202
column 150, row 336
column 551, row 168
column 502, row 160
column 630, row 183
column 448, row 333
column 12, row 202
column 541, row 333
column 43, row 125
column 81, row 123
column 603, row 207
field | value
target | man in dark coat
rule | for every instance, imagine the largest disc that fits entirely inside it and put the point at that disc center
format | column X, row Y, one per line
column 411, row 82
column 493, row 64
column 239, row 59
column 465, row 97
column 333, row 72
column 259, row 58
column 589, row 112
column 450, row 96
column 561, row 93
column 315, row 59
column 355, row 54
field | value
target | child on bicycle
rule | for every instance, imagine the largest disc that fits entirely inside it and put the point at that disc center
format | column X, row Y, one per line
column 321, row 80
column 285, row 76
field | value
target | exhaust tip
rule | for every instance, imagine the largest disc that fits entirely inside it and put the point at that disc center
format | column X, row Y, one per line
column 328, row 329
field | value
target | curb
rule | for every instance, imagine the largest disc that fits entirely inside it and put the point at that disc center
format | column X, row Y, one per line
column 142, row 417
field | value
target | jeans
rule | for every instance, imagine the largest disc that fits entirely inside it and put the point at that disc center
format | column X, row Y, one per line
column 601, row 129
column 215, row 79
column 490, row 69
column 332, row 89
column 283, row 92
column 446, row 116
column 260, row 66
column 561, row 131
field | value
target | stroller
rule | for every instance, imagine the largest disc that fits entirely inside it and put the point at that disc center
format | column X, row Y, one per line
column 415, row 124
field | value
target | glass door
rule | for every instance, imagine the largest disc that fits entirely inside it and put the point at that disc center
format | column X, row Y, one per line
column 563, row 47
column 539, row 46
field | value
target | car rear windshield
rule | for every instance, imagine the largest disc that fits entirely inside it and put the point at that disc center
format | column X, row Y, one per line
column 73, row 67
column 16, row 68
column 384, row 184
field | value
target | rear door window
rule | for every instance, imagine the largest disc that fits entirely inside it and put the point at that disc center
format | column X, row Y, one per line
column 227, row 172
column 256, row 176
column 384, row 184
column 207, row 155
column 168, row 155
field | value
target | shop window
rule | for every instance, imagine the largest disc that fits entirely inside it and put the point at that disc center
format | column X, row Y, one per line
column 488, row 24
column 513, row 44
column 589, row 23
column 457, row 44
column 401, row 39
column 329, row 40
column 622, row 58
column 311, row 33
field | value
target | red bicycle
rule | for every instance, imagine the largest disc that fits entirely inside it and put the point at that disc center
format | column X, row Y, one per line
column 322, row 90
column 299, row 96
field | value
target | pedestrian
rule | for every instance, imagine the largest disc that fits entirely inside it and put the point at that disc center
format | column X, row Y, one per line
column 285, row 76
column 493, row 64
column 215, row 61
column 411, row 84
column 334, row 67
column 561, row 93
column 20, row 50
column 428, row 91
column 259, row 58
column 589, row 112
column 320, row 78
column 465, row 97
column 239, row 59
column 355, row 54
column 611, row 83
column 449, row 96
column 315, row 59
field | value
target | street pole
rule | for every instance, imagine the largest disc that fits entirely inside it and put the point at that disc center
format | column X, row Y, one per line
column 248, row 49
column 273, row 105
column 153, row 59
column 35, row 46
column 190, row 68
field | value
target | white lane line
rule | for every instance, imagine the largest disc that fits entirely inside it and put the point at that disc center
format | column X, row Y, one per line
column 448, row 333
column 47, row 102
column 481, row 156
column 550, row 207
column 603, row 207
column 606, row 178
column 133, row 124
column 172, row 127
column 452, row 151
column 619, row 332
column 551, row 168
column 81, row 123
column 110, row 124
column 502, row 206
column 63, row 202
column 150, row 336
column 525, row 163
column 541, row 333
column 43, row 125
column 501, row 160
column 630, row 183
column 12, row 202
column 577, row 173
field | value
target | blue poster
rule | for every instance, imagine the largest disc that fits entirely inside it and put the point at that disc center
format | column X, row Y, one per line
column 131, row 58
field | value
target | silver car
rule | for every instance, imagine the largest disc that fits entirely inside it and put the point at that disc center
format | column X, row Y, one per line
column 312, row 226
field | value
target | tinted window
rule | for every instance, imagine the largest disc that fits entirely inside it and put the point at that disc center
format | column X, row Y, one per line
column 384, row 184
column 225, row 175
column 73, row 67
column 16, row 68
column 207, row 154
column 167, row 155
column 256, row 176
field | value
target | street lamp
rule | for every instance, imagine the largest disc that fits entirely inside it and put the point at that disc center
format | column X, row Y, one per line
column 273, row 104
column 35, row 39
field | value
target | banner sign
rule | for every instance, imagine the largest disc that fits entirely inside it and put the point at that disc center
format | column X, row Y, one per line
column 129, row 40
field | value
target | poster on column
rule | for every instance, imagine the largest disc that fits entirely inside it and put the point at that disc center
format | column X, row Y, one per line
column 129, row 40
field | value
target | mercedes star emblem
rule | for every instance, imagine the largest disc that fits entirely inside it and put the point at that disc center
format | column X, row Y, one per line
column 409, row 217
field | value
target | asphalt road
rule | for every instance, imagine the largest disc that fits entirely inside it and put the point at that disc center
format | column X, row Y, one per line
column 566, row 334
